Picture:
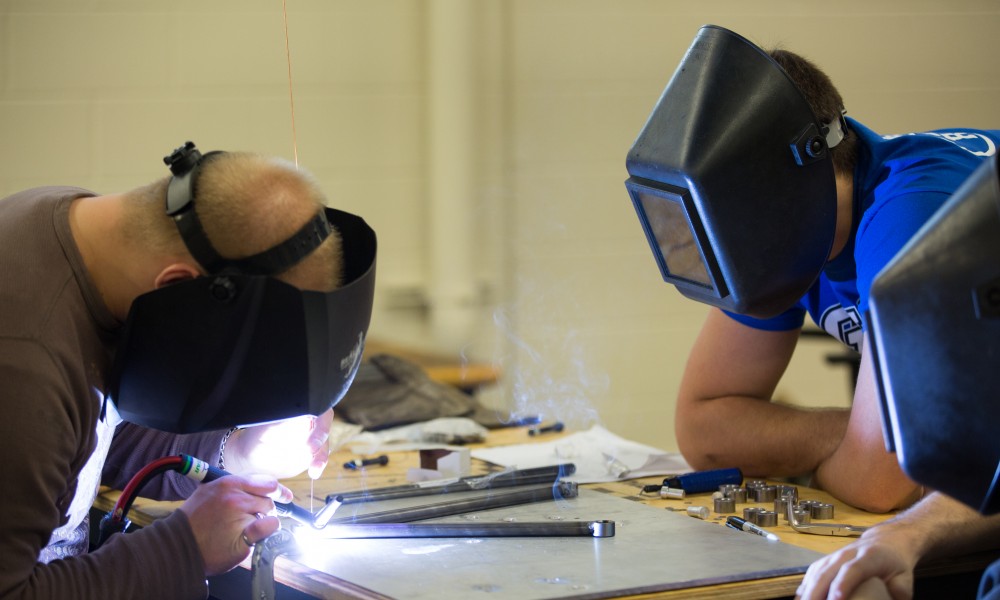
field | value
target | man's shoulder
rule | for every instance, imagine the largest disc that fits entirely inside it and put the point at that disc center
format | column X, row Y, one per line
column 935, row 161
column 35, row 273
column 19, row 209
column 52, row 193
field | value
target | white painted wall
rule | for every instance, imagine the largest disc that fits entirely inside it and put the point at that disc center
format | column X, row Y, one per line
column 566, row 298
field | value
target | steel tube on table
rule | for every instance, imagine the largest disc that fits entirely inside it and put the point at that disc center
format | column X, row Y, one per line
column 457, row 507
column 463, row 530
column 517, row 477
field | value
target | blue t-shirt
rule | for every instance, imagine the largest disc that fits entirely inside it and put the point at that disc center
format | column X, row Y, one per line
column 900, row 181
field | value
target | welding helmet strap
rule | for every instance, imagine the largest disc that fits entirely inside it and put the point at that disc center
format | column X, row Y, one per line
column 185, row 163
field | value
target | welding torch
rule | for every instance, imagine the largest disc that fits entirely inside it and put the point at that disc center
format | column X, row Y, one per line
column 201, row 471
column 117, row 519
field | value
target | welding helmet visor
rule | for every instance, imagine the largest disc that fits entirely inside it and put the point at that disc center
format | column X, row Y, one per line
column 240, row 347
column 934, row 315
column 732, row 180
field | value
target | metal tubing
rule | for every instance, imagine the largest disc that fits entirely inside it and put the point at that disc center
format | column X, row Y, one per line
column 499, row 479
column 463, row 530
column 455, row 507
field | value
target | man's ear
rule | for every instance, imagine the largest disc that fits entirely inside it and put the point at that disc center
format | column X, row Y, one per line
column 175, row 273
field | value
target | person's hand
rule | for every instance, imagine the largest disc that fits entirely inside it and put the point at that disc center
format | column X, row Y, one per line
column 283, row 448
column 841, row 574
column 231, row 514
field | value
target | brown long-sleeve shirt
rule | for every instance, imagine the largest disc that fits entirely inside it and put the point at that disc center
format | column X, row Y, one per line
column 57, row 341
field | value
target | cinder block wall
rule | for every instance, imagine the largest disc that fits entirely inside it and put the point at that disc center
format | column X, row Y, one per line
column 569, row 304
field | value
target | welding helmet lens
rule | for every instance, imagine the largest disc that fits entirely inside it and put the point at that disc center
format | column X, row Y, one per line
column 934, row 315
column 732, row 180
column 674, row 232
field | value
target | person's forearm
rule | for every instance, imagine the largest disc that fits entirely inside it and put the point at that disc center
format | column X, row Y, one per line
column 764, row 439
column 946, row 527
column 133, row 447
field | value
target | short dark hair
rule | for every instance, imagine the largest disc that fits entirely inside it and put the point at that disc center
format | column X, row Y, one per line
column 824, row 99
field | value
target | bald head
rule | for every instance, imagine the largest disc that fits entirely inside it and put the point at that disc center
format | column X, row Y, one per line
column 249, row 203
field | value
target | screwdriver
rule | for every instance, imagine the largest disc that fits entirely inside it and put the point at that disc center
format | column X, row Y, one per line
column 704, row 481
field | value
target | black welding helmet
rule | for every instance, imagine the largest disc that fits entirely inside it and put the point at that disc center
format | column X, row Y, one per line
column 238, row 346
column 934, row 315
column 732, row 179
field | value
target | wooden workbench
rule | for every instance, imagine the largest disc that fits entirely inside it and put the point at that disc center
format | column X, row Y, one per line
column 337, row 479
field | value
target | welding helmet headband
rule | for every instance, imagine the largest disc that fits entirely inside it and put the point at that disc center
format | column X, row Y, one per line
column 238, row 346
column 934, row 330
column 732, row 179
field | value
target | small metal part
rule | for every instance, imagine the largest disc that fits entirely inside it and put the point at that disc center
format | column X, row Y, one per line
column 728, row 489
column 600, row 528
column 801, row 516
column 603, row 528
column 295, row 512
column 750, row 514
column 262, row 564
column 836, row 529
column 724, row 505
column 781, row 504
column 671, row 493
column 763, row 493
column 700, row 512
column 788, row 491
column 821, row 510
column 754, row 483
column 652, row 489
column 367, row 462
column 324, row 515
column 767, row 518
column 553, row 428
column 736, row 492
column 616, row 468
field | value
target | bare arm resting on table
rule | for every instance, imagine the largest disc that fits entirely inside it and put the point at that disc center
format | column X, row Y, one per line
column 725, row 418
column 860, row 471
column 937, row 526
